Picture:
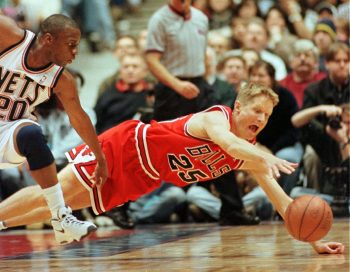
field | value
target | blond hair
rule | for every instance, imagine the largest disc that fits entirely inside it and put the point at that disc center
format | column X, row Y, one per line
column 250, row 90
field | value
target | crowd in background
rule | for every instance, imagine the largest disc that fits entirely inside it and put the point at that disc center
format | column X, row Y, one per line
column 299, row 48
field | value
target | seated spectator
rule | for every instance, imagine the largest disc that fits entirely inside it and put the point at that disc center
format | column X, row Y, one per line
column 220, row 13
column 256, row 37
column 127, row 96
column 250, row 57
column 159, row 206
column 324, row 35
column 304, row 65
column 125, row 44
column 324, row 125
column 280, row 38
column 223, row 91
column 219, row 42
column 238, row 31
column 234, row 70
column 279, row 135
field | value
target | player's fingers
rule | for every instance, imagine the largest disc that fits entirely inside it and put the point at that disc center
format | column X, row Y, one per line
column 276, row 171
column 286, row 169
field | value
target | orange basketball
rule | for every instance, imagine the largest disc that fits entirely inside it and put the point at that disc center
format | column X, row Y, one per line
column 308, row 218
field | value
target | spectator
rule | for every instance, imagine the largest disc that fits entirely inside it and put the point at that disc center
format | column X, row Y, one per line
column 126, row 96
column 125, row 44
column 304, row 65
column 247, row 9
column 234, row 71
column 279, row 136
column 256, row 38
column 219, row 43
column 158, row 206
column 329, row 139
column 238, row 31
column 325, row 34
column 224, row 91
column 250, row 57
column 220, row 13
column 280, row 38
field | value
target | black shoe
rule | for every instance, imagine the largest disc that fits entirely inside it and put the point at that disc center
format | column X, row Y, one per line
column 199, row 215
column 121, row 218
column 239, row 219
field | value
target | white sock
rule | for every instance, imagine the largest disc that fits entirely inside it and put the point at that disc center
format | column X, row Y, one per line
column 2, row 225
column 54, row 198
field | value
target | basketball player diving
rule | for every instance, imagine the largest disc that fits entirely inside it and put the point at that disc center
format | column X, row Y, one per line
column 192, row 148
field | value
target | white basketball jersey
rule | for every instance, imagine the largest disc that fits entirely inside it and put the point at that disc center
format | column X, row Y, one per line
column 21, row 87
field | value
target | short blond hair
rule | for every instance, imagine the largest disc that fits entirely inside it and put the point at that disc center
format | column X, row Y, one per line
column 250, row 90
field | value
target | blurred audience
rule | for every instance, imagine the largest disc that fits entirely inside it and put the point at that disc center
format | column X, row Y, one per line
column 303, row 62
column 324, row 125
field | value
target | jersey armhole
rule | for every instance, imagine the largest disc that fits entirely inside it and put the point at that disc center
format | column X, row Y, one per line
column 11, row 47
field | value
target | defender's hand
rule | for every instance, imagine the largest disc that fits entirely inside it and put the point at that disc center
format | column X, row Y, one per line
column 101, row 172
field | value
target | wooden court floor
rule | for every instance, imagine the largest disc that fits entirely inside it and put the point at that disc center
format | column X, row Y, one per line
column 178, row 247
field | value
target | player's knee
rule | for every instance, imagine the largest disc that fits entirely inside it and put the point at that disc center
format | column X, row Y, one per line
column 32, row 144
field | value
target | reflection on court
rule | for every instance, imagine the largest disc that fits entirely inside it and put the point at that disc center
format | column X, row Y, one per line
column 182, row 247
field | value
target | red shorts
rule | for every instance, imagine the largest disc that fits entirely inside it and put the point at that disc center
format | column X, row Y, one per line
column 126, row 178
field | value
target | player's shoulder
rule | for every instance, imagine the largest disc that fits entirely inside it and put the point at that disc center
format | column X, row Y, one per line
column 10, row 33
column 66, row 81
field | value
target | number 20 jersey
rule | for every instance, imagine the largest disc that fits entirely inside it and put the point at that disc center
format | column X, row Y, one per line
column 22, row 87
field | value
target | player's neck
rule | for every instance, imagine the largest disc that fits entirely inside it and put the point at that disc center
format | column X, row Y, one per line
column 36, row 57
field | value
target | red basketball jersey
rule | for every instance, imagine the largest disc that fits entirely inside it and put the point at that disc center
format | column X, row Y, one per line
column 140, row 155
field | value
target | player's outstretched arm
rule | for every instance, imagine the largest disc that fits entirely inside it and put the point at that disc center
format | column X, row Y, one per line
column 215, row 126
column 66, row 91
column 281, row 200
column 328, row 247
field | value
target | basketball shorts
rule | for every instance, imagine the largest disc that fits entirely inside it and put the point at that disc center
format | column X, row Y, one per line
column 8, row 155
column 126, row 180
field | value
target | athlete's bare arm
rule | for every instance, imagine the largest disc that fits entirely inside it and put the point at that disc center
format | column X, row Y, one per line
column 66, row 91
column 215, row 126
column 10, row 33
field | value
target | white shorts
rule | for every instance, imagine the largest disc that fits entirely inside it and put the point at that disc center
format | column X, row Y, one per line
column 8, row 155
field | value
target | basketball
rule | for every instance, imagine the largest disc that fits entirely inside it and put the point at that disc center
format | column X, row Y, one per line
column 308, row 218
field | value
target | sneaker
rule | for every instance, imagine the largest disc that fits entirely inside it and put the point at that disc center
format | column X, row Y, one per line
column 68, row 228
column 199, row 215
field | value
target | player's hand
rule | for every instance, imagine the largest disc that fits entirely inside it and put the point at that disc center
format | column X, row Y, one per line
column 187, row 89
column 328, row 247
column 101, row 172
column 276, row 165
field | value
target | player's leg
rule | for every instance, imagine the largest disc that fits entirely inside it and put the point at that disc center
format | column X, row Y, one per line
column 29, row 141
column 29, row 206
